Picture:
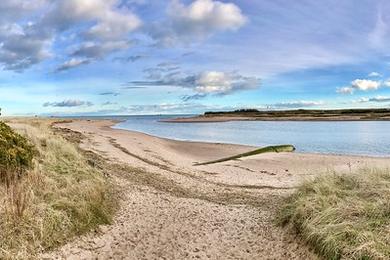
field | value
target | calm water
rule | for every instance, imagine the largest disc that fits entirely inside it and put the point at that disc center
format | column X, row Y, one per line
column 359, row 138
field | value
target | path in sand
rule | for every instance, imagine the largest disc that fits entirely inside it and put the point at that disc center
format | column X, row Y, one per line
column 171, row 209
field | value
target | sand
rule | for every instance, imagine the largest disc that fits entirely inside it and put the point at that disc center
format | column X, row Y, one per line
column 171, row 209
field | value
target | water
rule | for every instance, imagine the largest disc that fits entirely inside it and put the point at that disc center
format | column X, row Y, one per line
column 354, row 138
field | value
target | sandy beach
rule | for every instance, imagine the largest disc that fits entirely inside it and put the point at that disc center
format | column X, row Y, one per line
column 194, row 129
column 183, row 211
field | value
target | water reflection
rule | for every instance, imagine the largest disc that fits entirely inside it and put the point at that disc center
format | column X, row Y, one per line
column 358, row 137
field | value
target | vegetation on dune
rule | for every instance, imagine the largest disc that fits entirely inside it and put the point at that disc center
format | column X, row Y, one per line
column 343, row 216
column 268, row 149
column 58, row 196
column 16, row 154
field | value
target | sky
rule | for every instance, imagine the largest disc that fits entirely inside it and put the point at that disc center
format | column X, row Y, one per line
column 122, row 57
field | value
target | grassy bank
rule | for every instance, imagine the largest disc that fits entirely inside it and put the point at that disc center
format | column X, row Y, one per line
column 61, row 196
column 343, row 216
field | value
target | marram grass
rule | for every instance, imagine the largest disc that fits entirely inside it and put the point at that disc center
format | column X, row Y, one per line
column 343, row 216
column 60, row 197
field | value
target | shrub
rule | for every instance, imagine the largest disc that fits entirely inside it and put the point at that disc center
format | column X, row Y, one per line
column 16, row 154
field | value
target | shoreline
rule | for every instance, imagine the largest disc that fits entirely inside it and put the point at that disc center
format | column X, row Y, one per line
column 223, row 119
column 285, row 170
column 212, row 206
column 108, row 124
column 115, row 122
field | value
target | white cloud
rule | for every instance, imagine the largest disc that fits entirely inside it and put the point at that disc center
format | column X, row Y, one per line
column 14, row 9
column 365, row 84
column 103, row 24
column 20, row 47
column 165, row 108
column 68, row 103
column 362, row 100
column 197, row 21
column 72, row 63
column 374, row 75
column 109, row 22
column 298, row 104
column 377, row 99
column 115, row 25
column 345, row 90
column 20, row 51
column 387, row 83
column 360, row 84
column 214, row 82
column 109, row 103
column 99, row 50
column 110, row 27
column 208, row 82
column 380, row 99
column 206, row 15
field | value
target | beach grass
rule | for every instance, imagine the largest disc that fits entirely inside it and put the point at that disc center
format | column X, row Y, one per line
column 60, row 197
column 343, row 216
column 268, row 149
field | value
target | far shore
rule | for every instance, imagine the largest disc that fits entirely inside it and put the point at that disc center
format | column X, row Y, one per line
column 222, row 119
column 287, row 115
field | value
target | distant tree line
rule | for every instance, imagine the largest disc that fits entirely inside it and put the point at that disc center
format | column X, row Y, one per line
column 333, row 112
column 246, row 110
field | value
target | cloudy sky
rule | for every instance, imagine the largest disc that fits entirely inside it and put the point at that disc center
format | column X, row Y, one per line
column 188, row 56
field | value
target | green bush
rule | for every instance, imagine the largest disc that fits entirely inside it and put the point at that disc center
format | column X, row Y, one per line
column 16, row 154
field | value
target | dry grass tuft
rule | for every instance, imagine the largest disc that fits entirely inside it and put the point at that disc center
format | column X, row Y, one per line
column 61, row 197
column 343, row 216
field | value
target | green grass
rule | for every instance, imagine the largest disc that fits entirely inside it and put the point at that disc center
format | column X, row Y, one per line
column 62, row 196
column 268, row 149
column 343, row 216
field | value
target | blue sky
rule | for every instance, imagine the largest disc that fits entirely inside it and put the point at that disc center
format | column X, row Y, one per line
column 101, row 57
